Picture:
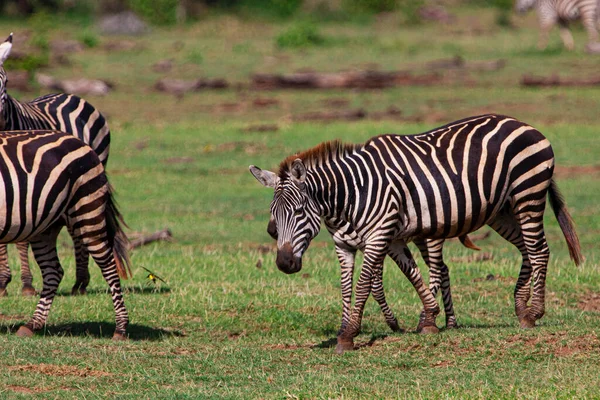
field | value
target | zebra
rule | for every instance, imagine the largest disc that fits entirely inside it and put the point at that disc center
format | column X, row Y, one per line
column 50, row 179
column 63, row 112
column 484, row 170
column 551, row 12
column 347, row 242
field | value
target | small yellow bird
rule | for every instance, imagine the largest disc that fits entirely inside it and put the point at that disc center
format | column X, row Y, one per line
column 153, row 277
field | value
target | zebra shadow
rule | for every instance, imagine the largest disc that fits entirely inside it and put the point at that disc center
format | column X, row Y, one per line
column 98, row 330
column 126, row 290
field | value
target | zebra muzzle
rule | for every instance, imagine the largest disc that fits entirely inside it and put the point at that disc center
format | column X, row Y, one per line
column 286, row 260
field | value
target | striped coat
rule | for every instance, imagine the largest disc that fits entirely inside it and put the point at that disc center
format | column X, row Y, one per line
column 50, row 179
column 485, row 170
column 63, row 112
column 561, row 12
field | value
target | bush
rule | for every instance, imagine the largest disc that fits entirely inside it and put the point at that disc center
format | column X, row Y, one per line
column 159, row 12
column 89, row 39
column 301, row 34
column 410, row 11
column 370, row 6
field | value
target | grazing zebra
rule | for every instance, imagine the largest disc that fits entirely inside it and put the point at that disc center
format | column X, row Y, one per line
column 551, row 12
column 444, row 183
column 50, row 179
column 66, row 113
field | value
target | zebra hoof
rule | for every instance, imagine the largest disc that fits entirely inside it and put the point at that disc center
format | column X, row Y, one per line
column 395, row 327
column 24, row 331
column 429, row 329
column 526, row 323
column 28, row 291
column 119, row 337
column 451, row 323
column 76, row 291
column 3, row 292
column 344, row 345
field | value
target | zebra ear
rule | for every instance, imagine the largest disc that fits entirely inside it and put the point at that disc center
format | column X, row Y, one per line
column 266, row 178
column 5, row 49
column 298, row 171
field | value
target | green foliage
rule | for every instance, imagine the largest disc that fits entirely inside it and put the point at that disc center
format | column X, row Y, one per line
column 89, row 39
column 300, row 34
column 29, row 62
column 195, row 57
column 370, row 6
column 410, row 11
column 159, row 12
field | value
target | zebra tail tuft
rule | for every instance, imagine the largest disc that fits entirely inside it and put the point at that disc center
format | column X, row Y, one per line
column 565, row 221
column 468, row 243
column 115, row 223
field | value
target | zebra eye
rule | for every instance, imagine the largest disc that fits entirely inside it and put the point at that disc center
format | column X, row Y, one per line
column 297, row 212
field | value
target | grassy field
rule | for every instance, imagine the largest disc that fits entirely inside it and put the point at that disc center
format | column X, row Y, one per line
column 228, row 324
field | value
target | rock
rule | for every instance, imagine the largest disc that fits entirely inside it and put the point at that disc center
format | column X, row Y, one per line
column 163, row 66
column 66, row 46
column 81, row 86
column 123, row 23
column 19, row 80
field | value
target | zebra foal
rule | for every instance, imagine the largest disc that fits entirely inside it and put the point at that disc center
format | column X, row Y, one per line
column 63, row 112
column 485, row 170
column 561, row 12
column 50, row 179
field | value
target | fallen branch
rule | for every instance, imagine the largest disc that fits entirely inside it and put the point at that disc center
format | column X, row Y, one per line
column 342, row 80
column 164, row 234
column 555, row 80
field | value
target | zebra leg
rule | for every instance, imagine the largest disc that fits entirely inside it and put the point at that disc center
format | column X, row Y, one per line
column 407, row 264
column 545, row 27
column 379, row 295
column 372, row 264
column 102, row 251
column 346, row 259
column 532, row 230
column 507, row 226
column 26, row 277
column 5, row 275
column 44, row 251
column 439, row 276
column 566, row 36
column 590, row 19
column 82, row 272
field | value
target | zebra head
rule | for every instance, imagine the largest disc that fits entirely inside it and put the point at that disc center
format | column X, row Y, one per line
column 4, row 52
column 295, row 219
column 522, row 6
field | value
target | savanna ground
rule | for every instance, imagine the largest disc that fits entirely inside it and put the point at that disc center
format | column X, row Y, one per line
column 228, row 323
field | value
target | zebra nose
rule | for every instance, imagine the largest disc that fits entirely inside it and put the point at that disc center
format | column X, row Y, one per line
column 286, row 261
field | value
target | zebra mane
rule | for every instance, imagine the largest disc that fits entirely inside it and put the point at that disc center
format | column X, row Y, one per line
column 317, row 155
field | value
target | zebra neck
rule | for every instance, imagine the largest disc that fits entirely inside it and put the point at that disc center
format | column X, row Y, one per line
column 19, row 116
column 331, row 186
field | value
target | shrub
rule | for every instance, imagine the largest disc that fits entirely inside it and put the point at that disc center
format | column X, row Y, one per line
column 159, row 12
column 301, row 34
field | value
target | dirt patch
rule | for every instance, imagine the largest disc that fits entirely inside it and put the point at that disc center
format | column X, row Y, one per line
column 285, row 346
column 179, row 160
column 577, row 171
column 25, row 389
column 442, row 364
column 561, row 344
column 12, row 317
column 246, row 147
column 491, row 277
column 590, row 302
column 59, row 370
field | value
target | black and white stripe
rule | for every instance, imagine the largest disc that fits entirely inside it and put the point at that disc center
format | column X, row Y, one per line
column 561, row 12
column 50, row 179
column 63, row 112
column 486, row 170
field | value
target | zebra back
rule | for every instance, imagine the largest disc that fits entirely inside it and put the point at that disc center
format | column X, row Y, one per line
column 64, row 112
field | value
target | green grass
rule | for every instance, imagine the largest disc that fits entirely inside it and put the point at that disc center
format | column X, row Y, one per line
column 222, row 327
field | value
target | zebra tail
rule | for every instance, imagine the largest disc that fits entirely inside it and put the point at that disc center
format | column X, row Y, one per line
column 566, row 222
column 115, row 223
column 468, row 243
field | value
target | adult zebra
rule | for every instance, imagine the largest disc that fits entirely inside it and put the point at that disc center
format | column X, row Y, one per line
column 63, row 112
column 447, row 182
column 50, row 179
column 552, row 12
